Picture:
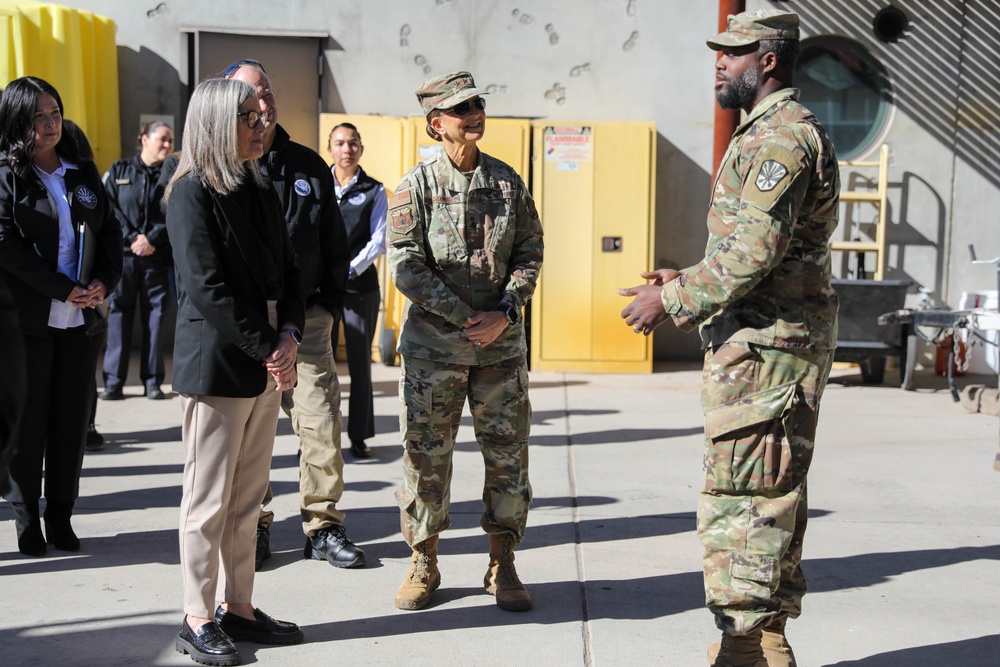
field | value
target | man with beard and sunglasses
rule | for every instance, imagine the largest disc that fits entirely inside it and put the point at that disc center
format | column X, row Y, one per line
column 768, row 323
column 305, row 189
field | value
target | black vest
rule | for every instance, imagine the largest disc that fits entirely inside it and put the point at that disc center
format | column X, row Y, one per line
column 356, row 203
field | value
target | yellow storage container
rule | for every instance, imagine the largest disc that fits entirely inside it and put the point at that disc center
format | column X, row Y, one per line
column 75, row 51
column 593, row 184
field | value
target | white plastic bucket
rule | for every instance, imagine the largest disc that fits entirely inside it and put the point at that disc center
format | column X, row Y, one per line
column 984, row 359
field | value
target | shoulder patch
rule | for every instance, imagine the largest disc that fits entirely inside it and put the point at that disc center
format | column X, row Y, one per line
column 302, row 187
column 402, row 220
column 770, row 174
column 400, row 199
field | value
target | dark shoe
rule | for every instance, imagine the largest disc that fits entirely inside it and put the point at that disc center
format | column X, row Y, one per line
column 58, row 529
column 112, row 393
column 263, row 629
column 30, row 540
column 95, row 441
column 209, row 645
column 332, row 545
column 263, row 546
column 360, row 450
column 154, row 393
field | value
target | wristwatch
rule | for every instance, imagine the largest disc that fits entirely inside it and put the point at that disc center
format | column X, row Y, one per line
column 512, row 312
column 296, row 336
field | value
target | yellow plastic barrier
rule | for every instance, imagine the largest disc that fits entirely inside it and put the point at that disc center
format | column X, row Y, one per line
column 75, row 51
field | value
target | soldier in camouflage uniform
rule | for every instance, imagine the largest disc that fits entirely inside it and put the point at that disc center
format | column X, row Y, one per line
column 768, row 322
column 465, row 247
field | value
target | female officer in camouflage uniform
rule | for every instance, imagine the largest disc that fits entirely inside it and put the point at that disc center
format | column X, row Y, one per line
column 465, row 247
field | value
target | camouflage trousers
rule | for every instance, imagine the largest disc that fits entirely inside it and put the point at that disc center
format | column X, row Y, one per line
column 433, row 395
column 761, row 409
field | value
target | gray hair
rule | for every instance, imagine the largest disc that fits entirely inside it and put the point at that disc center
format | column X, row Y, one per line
column 211, row 138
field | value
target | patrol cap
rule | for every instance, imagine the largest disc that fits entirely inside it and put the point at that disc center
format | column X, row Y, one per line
column 444, row 92
column 751, row 27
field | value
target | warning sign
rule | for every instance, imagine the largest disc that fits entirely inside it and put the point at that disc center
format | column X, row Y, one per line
column 568, row 144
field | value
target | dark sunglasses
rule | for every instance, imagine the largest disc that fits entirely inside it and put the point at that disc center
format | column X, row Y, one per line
column 254, row 118
column 464, row 108
column 240, row 63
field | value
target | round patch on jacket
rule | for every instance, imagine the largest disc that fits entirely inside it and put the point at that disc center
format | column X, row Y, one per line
column 85, row 196
column 358, row 198
column 302, row 187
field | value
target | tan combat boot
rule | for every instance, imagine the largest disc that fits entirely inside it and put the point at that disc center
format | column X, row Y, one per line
column 738, row 651
column 775, row 646
column 423, row 577
column 501, row 578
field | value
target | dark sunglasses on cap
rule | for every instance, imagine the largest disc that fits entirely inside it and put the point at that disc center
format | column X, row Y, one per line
column 254, row 118
column 464, row 108
column 240, row 63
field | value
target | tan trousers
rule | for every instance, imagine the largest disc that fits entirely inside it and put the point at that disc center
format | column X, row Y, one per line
column 229, row 442
column 314, row 407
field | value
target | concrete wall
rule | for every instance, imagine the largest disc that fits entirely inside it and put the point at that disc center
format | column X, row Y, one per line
column 634, row 60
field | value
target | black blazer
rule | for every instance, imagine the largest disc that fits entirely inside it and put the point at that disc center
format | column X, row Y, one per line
column 29, row 243
column 223, row 335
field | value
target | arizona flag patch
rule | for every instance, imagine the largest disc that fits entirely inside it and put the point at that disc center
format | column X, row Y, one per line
column 770, row 175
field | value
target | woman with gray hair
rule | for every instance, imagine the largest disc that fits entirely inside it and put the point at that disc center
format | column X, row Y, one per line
column 239, row 318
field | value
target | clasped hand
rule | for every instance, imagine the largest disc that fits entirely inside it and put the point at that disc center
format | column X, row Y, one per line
column 484, row 327
column 90, row 296
column 281, row 363
column 645, row 313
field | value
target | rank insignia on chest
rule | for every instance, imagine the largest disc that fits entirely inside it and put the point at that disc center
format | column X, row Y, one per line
column 770, row 175
column 402, row 221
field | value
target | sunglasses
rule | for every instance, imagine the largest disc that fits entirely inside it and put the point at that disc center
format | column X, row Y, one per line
column 254, row 118
column 229, row 71
column 464, row 108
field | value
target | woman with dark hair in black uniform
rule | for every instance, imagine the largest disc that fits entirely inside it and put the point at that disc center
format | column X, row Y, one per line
column 60, row 253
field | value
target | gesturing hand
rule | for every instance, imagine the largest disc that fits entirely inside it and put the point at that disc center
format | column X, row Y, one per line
column 645, row 313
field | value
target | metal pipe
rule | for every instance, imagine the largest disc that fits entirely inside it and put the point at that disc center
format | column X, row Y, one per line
column 726, row 120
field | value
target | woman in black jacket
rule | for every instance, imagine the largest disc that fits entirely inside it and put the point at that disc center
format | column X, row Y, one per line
column 239, row 321
column 60, row 252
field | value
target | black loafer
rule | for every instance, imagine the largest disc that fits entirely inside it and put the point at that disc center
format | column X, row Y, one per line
column 112, row 394
column 154, row 393
column 331, row 544
column 262, row 630
column 209, row 645
column 94, row 441
column 360, row 450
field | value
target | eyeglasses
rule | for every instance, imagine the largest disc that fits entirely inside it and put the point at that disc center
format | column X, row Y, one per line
column 229, row 71
column 254, row 117
column 464, row 108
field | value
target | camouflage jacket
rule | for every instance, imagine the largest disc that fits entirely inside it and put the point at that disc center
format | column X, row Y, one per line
column 459, row 245
column 765, row 278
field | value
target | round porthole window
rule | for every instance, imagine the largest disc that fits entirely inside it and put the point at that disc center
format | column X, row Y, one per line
column 847, row 89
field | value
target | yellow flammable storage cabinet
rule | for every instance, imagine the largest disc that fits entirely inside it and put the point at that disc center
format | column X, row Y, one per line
column 75, row 51
column 388, row 151
column 594, row 188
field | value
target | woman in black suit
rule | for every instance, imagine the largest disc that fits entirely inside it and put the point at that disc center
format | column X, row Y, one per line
column 239, row 320
column 60, row 252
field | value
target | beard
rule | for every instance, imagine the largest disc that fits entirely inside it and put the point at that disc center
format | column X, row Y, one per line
column 741, row 92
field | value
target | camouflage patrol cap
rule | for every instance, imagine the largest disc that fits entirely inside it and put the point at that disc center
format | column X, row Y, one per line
column 751, row 27
column 444, row 92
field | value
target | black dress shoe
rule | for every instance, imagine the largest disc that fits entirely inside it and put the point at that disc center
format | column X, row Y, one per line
column 208, row 645
column 30, row 540
column 331, row 544
column 263, row 546
column 263, row 629
column 58, row 529
column 154, row 393
column 360, row 450
column 111, row 393
column 94, row 441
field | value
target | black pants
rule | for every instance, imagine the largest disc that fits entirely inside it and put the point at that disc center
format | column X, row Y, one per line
column 147, row 280
column 54, row 425
column 360, row 317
